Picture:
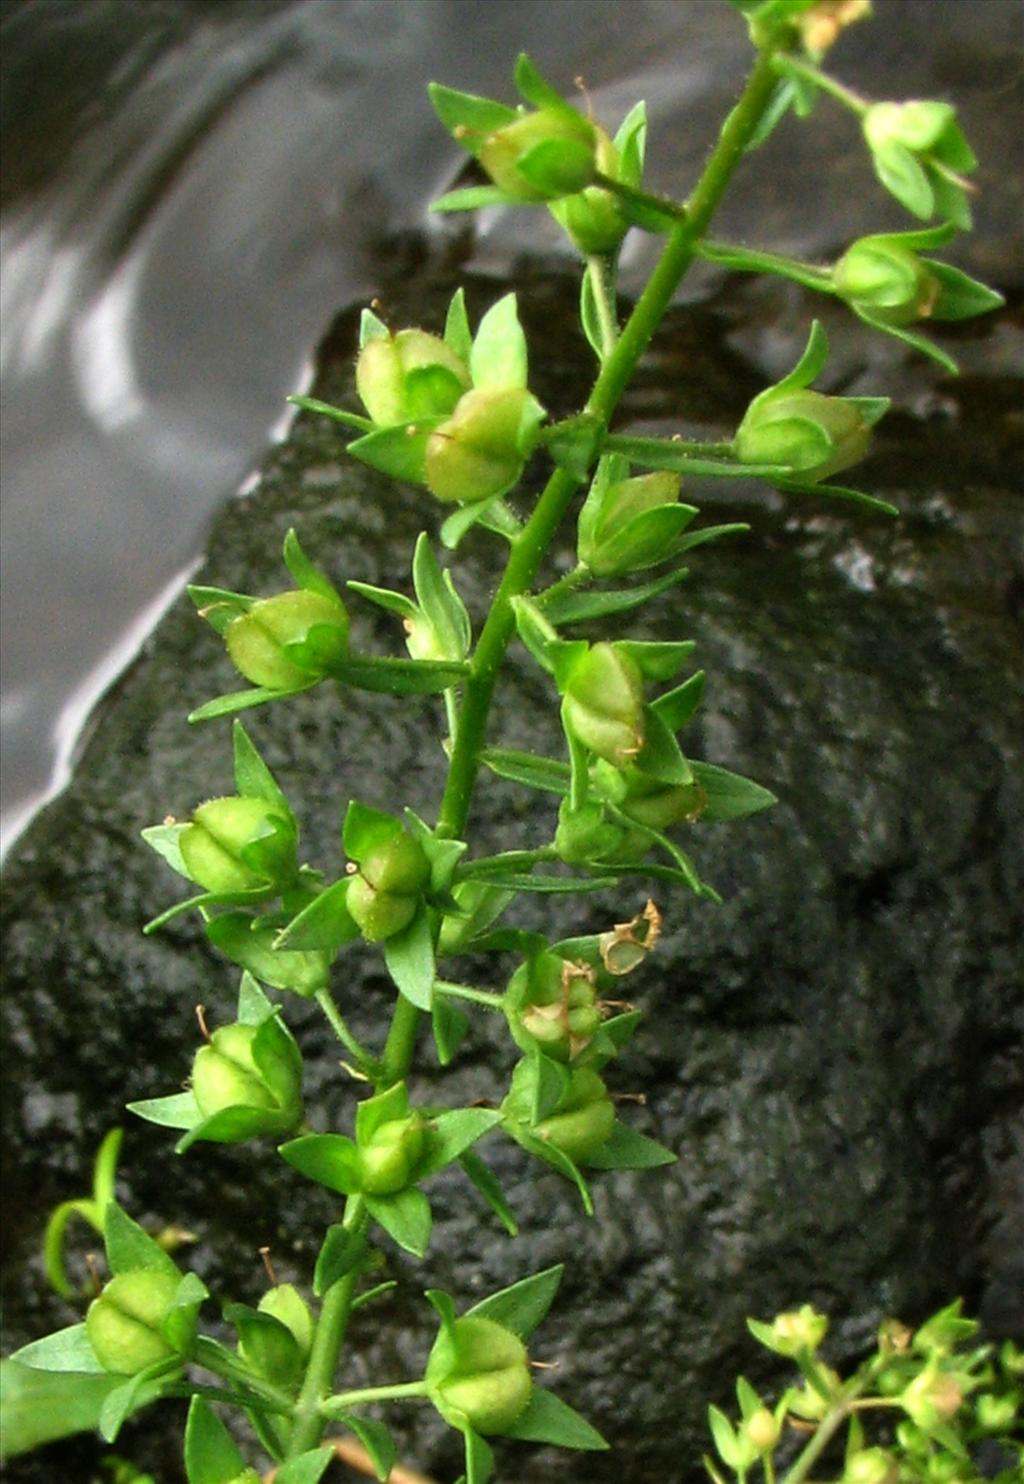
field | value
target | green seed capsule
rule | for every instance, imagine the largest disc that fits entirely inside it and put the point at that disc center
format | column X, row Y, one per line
column 806, row 431
column 583, row 1120
column 480, row 451
column 385, row 894
column 887, row 281
column 606, row 544
column 551, row 1004
column 407, row 376
column 480, row 1372
column 541, row 156
column 286, row 1304
column 237, row 844
column 387, row 1162
column 604, row 704
column 591, row 217
column 585, row 834
column 123, row 1324
column 288, row 640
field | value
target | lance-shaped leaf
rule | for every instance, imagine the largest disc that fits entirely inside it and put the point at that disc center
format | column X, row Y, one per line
column 625, row 1149
column 468, row 117
column 405, row 1217
column 498, row 358
column 394, row 676
column 494, row 515
column 133, row 1394
column 661, row 757
column 165, row 840
column 243, row 700
column 441, row 604
column 377, row 1440
column 251, row 944
column 329, row 1159
column 399, row 451
column 547, row 774
column 129, row 1248
column 366, row 829
column 341, row 1252
column 728, row 795
column 177, row 1110
column 307, row 1468
column 677, row 707
column 450, row 1134
column 836, row 492
column 450, row 1027
column 306, row 573
column 211, row 1454
column 41, row 1406
column 325, row 925
column 582, row 607
column 522, row 1306
column 657, row 659
column 486, row 1183
column 479, row 1457
column 253, row 779
column 65, row 1350
column 338, row 414
column 409, row 956
column 457, row 333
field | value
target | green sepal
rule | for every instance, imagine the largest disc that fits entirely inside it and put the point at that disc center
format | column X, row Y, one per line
column 234, row 1126
column 249, row 943
column 536, row 631
column 590, row 319
column 625, row 1149
column 165, row 840
column 178, row 1110
column 657, row 659
column 498, row 358
column 661, row 756
column 325, row 925
column 557, row 1160
column 366, row 829
column 450, row 1027
column 341, row 1252
column 486, row 1183
column 441, row 604
column 64, row 1351
column 811, row 363
column 677, row 707
column 467, row 112
column 575, row 443
column 457, row 334
column 494, row 515
column 384, row 1107
column 960, row 296
column 218, row 606
column 385, row 597
column 253, row 779
column 547, row 774
column 450, row 1134
column 392, row 676
column 910, row 337
column 371, row 327
column 307, row 574
column 479, row 906
column 399, row 451
column 129, row 1248
column 329, row 1159
column 443, row 854
column 522, row 1306
column 243, row 700
column 905, row 178
column 569, row 607
column 479, row 1457
column 405, row 1217
column 211, row 1453
column 339, row 414
column 409, row 957
column 138, row 1391
column 544, row 1083
column 472, row 198
column 266, row 1344
column 547, row 1419
column 630, row 141
column 729, row 795
column 376, row 1439
column 307, row 1468
column 535, row 88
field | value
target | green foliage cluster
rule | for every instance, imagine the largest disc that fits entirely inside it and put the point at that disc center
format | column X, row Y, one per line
column 452, row 411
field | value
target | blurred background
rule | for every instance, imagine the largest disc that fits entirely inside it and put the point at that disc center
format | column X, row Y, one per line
column 192, row 188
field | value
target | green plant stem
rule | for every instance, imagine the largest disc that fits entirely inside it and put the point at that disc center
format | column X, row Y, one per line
column 508, row 860
column 465, row 992
column 828, row 84
column 567, row 584
column 325, row 1000
column 342, row 1400
column 601, row 272
column 753, row 260
column 328, row 1338
column 213, row 1357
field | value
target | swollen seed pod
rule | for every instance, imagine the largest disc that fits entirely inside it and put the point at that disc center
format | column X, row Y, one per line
column 385, row 893
column 591, row 217
column 407, row 376
column 123, row 1323
column 552, row 1006
column 919, row 125
column 604, row 704
column 387, row 1162
column 480, row 451
column 478, row 1370
column 239, row 844
column 887, row 281
column 606, row 544
column 541, row 156
column 585, row 834
column 286, row 1304
column 226, row 1074
column 933, row 1397
column 289, row 640
column 808, row 432
column 583, row 1120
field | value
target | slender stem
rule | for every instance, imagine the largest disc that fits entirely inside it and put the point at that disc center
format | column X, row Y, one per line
column 464, row 992
column 768, row 1465
column 828, row 84
column 400, row 1044
column 327, row 1341
column 662, row 207
column 640, row 448
column 827, row 1429
column 325, row 1001
column 508, row 860
column 600, row 271
column 753, row 260
column 213, row 1357
column 574, row 579
column 345, row 1399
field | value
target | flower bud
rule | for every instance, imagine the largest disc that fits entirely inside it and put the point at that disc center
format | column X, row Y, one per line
column 387, row 1162
column 552, row 1006
column 933, row 1397
column 604, row 704
column 286, row 1304
column 871, row 1466
column 583, row 1118
column 591, row 217
column 479, row 1369
column 918, row 125
column 996, row 1413
column 407, row 376
column 226, row 1074
column 807, row 1402
column 797, row 1330
column 762, row 1429
column 887, row 281
column 808, row 432
column 480, row 451
column 288, row 640
column 541, row 156
column 238, row 844
column 613, row 537
column 385, row 893
column 123, row 1324
column 585, row 835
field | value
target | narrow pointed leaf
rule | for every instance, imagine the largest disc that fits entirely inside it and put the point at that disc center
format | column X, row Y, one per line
column 385, row 1107
column 479, row 1458
column 536, row 89
column 450, row 1026
column 341, row 1251
column 457, row 333
column 329, row 1159
column 325, row 925
column 338, row 414
column 306, row 573
column 65, row 1350
column 178, row 1110
column 565, row 608
column 498, row 357
column 378, row 1442
column 42, row 1406
column 472, row 198
column 165, row 840
column 451, row 1134
column 405, row 1217
column 409, row 956
column 523, row 1305
column 384, row 598
column 660, row 757
column 961, row 296
column 253, row 779
column 371, row 327
column 486, row 1183
column 211, row 1454
column 466, row 111
column 399, row 451
column 914, row 339
column 729, row 796
column 307, row 1468
column 812, row 362
column 837, row 492
column 365, row 829
column 119, row 1405
column 625, row 1149
column 677, row 707
column 242, row 700
column 391, row 676
column 129, row 1247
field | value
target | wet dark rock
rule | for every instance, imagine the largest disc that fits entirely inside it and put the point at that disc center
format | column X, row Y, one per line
column 834, row 1051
